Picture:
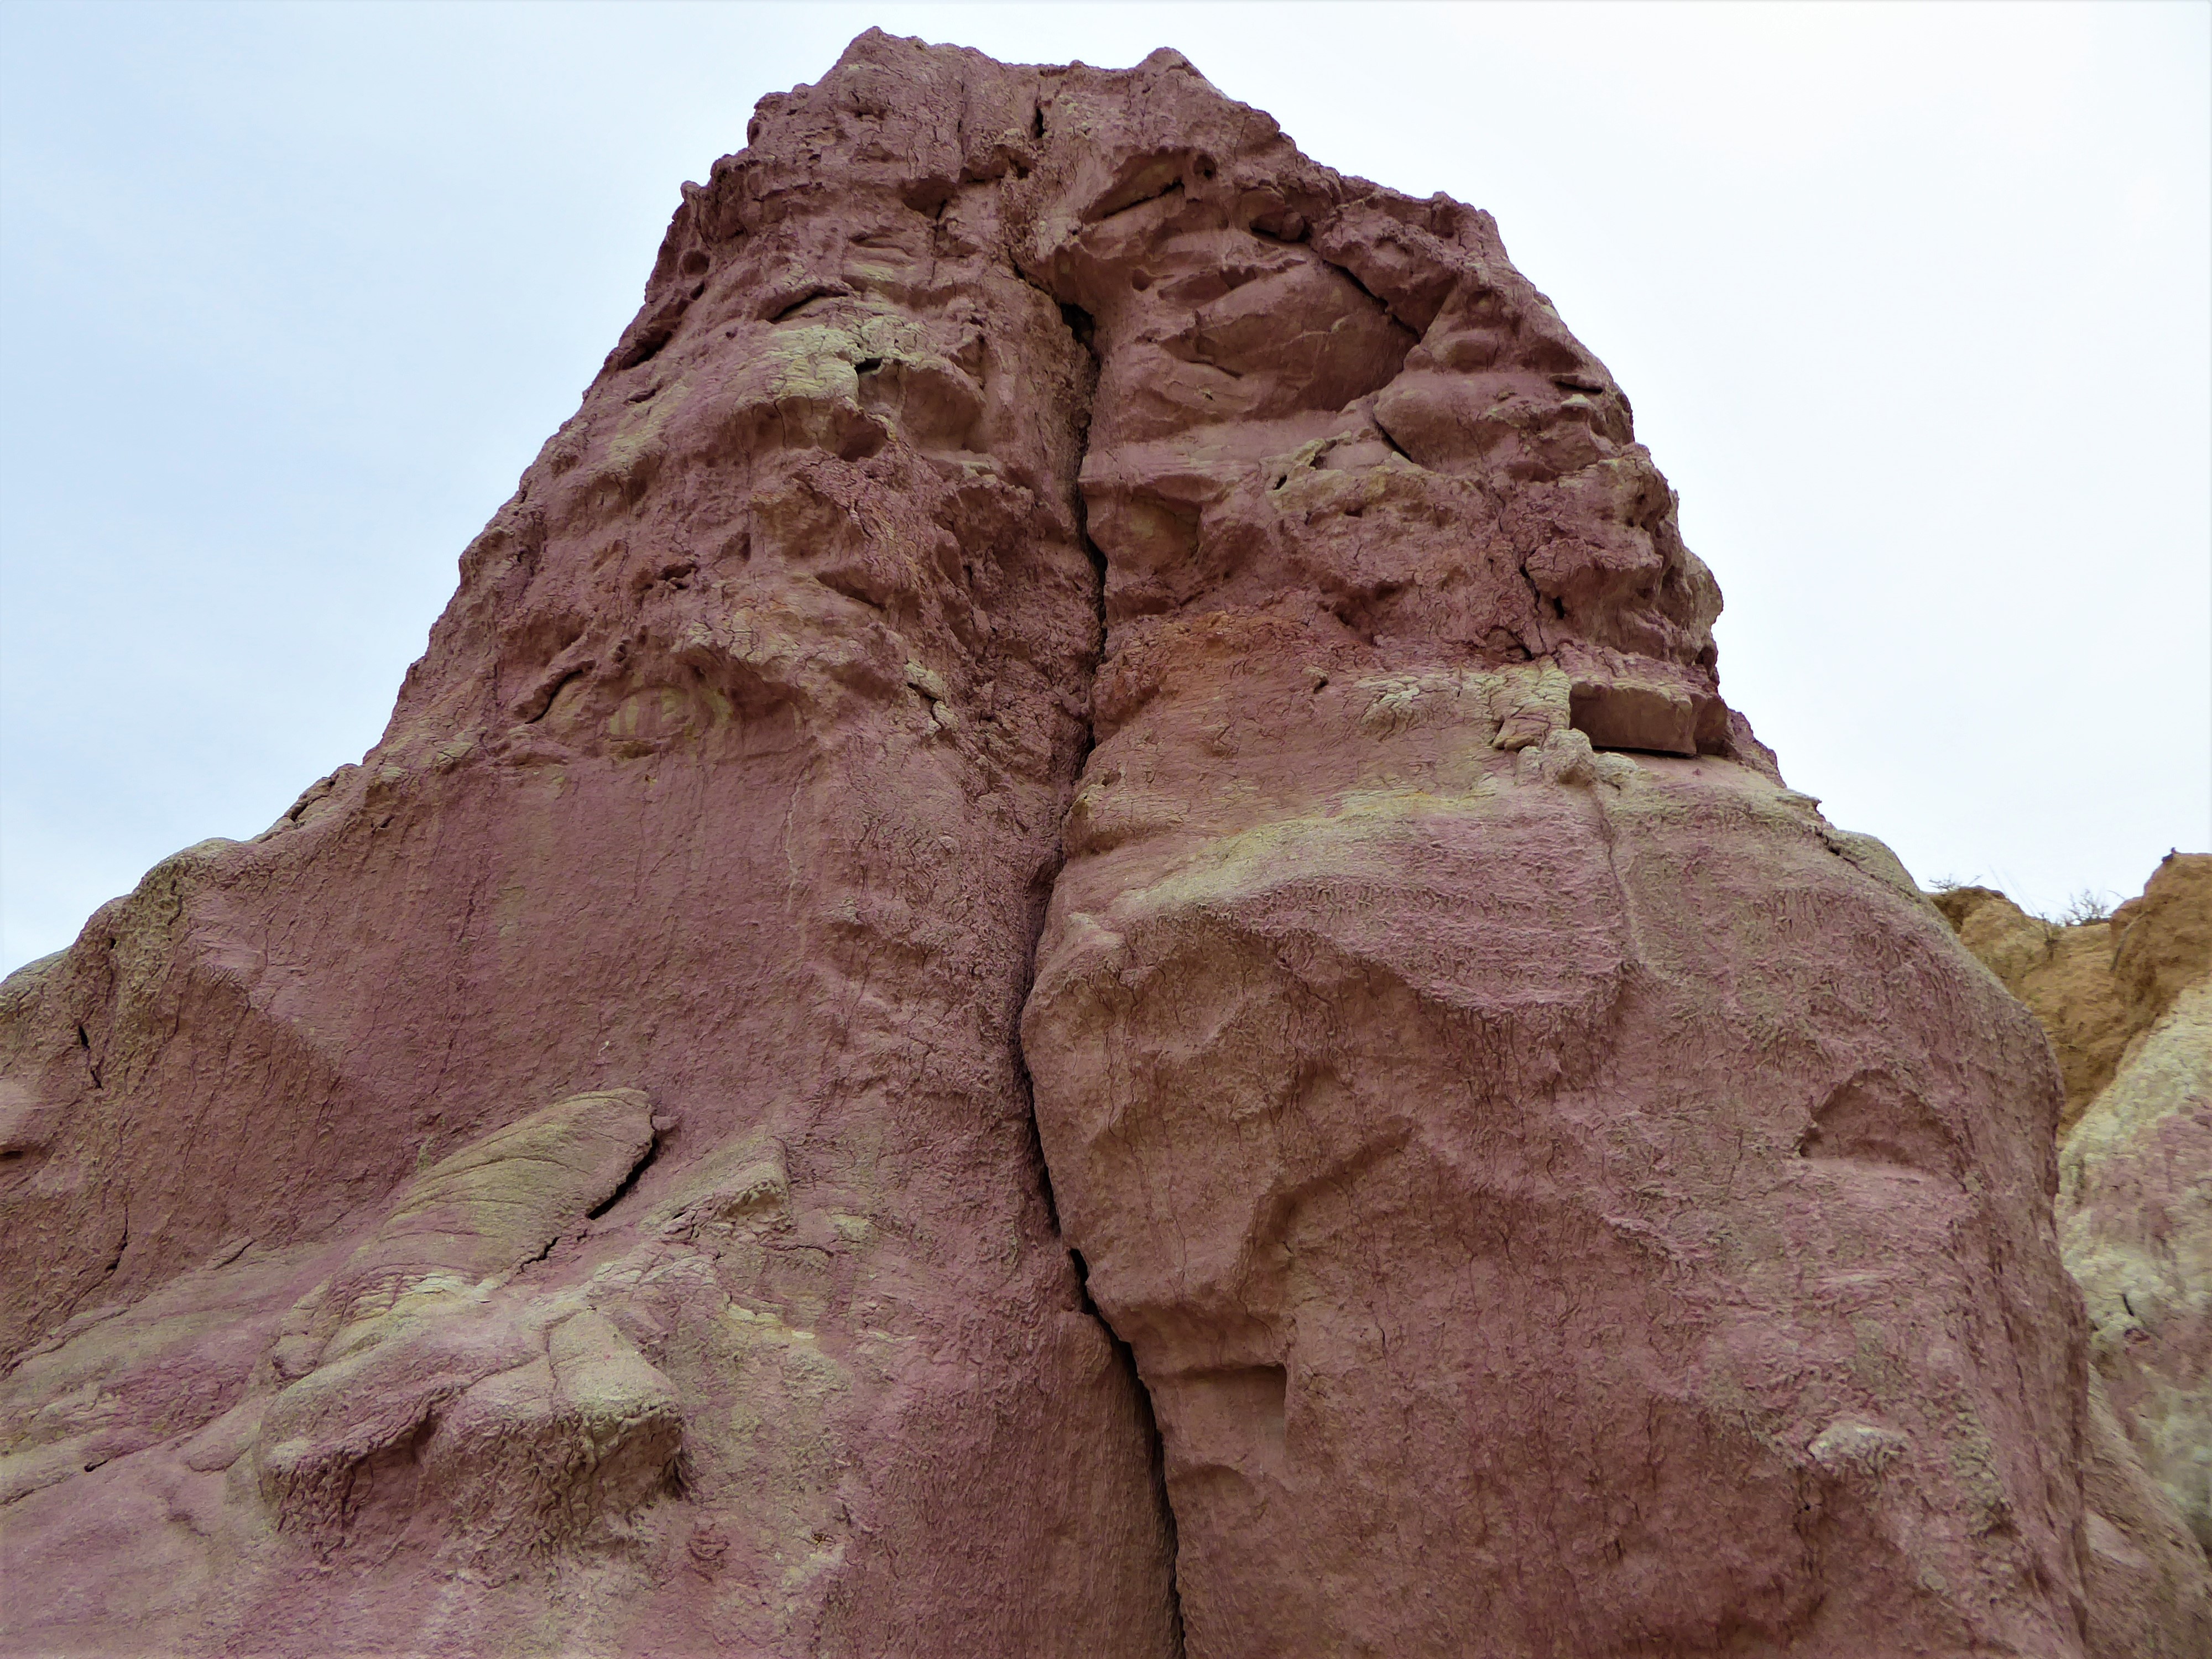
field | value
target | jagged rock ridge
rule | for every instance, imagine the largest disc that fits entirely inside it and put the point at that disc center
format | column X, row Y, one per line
column 624, row 1162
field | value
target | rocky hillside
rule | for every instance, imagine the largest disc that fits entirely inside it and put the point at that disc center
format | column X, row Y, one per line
column 1065, row 951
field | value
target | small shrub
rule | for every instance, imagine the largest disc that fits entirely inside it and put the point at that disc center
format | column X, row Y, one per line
column 2085, row 907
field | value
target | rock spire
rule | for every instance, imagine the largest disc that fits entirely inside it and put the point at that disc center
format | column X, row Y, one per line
column 1064, row 950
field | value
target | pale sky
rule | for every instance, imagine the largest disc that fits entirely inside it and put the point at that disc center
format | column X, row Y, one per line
column 1914, row 303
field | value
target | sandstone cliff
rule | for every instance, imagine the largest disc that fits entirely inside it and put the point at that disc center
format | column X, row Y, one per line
column 1063, row 951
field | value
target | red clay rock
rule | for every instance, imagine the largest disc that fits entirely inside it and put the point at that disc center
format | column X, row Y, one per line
column 573, row 1181
column 1559, row 1201
column 733, row 777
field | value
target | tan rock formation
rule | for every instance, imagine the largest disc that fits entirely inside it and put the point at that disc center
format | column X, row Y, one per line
column 2064, row 976
column 2097, row 986
column 574, row 1183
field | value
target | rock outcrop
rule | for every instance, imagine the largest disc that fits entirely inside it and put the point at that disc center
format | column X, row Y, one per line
column 1063, row 950
column 2095, row 986
column 2127, row 1002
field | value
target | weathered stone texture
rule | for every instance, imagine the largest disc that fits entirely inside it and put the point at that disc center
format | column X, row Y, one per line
column 1063, row 951
column 2095, row 986
column 2134, row 1207
column 733, row 777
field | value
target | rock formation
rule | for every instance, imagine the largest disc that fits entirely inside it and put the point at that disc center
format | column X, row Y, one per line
column 2127, row 1002
column 1063, row 951
column 2096, row 986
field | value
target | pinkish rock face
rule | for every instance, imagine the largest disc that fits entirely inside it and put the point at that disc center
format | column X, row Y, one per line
column 1605, row 1193
column 729, row 791
column 576, row 1179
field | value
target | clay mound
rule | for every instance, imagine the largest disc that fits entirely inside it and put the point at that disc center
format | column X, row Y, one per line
column 1063, row 951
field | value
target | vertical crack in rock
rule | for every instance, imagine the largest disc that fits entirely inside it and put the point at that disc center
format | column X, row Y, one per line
column 730, row 786
column 1116, row 724
column 1413, row 838
column 1082, row 331
column 1152, row 1436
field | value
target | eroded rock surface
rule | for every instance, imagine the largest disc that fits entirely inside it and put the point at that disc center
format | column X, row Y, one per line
column 574, row 1182
column 2135, row 1202
column 2096, row 987
column 727, row 796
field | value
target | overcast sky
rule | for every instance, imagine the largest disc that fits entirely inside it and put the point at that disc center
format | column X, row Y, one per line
column 1913, row 304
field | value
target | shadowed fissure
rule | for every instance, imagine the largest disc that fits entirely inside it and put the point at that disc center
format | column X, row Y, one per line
column 1082, row 331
